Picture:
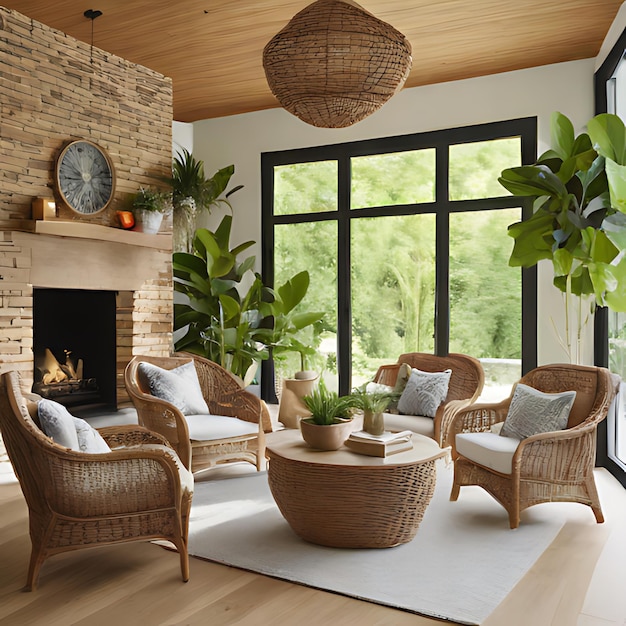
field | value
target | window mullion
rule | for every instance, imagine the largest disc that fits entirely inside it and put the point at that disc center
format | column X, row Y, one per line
column 344, row 304
column 442, row 247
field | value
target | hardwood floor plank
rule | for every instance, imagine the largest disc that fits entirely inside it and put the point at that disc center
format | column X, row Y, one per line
column 139, row 583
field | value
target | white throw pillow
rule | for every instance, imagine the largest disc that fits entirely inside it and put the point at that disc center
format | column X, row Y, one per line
column 69, row 431
column 89, row 439
column 373, row 387
column 424, row 392
column 179, row 386
column 532, row 411
column 57, row 423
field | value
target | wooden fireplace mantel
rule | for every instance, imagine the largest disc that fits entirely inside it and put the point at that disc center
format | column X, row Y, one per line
column 98, row 232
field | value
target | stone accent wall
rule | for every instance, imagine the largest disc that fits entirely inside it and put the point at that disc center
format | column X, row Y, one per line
column 54, row 89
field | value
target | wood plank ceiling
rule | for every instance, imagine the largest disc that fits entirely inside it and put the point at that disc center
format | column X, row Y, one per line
column 212, row 49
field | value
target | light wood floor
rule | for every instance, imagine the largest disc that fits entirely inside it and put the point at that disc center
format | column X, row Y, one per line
column 579, row 581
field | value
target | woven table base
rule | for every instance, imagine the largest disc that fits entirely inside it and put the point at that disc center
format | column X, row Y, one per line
column 352, row 507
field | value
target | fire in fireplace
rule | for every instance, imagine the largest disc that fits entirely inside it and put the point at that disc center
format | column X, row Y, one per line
column 64, row 381
column 74, row 343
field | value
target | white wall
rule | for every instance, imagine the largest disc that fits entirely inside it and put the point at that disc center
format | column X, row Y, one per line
column 182, row 137
column 240, row 139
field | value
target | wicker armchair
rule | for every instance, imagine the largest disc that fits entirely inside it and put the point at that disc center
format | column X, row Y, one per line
column 138, row 491
column 466, row 384
column 546, row 467
column 224, row 397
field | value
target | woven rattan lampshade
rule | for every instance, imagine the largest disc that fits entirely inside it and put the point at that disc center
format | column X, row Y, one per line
column 334, row 63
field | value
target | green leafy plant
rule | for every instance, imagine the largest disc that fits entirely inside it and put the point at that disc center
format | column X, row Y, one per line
column 222, row 310
column 375, row 401
column 328, row 407
column 575, row 223
column 193, row 192
column 285, row 334
column 150, row 199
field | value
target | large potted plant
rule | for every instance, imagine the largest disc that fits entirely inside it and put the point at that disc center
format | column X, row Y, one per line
column 574, row 224
column 193, row 192
column 330, row 422
column 222, row 310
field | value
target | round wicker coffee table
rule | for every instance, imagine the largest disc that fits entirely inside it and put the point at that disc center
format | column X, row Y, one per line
column 347, row 500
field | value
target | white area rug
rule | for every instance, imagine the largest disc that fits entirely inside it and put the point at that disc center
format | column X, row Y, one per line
column 460, row 566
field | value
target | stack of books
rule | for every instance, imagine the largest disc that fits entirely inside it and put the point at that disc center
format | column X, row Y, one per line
column 379, row 445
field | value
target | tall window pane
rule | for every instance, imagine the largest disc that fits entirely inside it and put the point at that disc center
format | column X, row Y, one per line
column 617, row 364
column 475, row 167
column 393, row 290
column 391, row 179
column 486, row 296
column 394, row 204
column 305, row 188
column 311, row 246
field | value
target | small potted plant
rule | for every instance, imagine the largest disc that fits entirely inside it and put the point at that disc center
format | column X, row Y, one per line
column 149, row 205
column 330, row 423
column 373, row 404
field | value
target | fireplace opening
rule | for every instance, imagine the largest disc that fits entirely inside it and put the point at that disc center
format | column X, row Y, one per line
column 74, row 346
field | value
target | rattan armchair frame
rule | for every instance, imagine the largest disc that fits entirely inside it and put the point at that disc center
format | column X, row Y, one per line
column 78, row 500
column 223, row 395
column 547, row 467
column 466, row 383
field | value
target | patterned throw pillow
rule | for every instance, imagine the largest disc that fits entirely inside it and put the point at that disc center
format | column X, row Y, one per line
column 179, row 386
column 404, row 373
column 424, row 392
column 69, row 431
column 532, row 411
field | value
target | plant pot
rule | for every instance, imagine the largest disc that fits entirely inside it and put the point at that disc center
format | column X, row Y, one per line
column 330, row 437
column 373, row 423
column 148, row 221
column 291, row 409
column 306, row 375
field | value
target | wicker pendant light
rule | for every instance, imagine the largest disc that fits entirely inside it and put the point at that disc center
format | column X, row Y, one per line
column 334, row 63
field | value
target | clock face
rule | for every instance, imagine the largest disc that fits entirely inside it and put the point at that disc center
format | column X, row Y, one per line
column 85, row 177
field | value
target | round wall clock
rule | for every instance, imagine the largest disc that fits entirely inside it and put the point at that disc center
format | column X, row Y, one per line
column 85, row 177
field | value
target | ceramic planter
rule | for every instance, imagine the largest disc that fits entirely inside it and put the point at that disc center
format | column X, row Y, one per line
column 326, row 437
column 148, row 221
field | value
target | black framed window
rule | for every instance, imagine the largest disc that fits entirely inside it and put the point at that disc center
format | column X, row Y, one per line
column 405, row 241
column 610, row 327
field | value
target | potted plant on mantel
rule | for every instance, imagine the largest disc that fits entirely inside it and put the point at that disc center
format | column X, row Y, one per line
column 149, row 206
column 330, row 423
column 579, row 191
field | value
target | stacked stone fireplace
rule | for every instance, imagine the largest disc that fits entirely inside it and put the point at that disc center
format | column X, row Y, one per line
column 56, row 89
column 134, row 268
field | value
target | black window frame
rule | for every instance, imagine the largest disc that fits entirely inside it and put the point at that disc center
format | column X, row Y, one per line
column 601, row 318
column 442, row 207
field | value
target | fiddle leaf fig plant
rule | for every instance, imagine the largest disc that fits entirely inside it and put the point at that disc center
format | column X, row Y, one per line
column 576, row 221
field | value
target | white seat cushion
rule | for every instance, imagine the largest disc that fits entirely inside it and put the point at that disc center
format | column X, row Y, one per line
column 488, row 449
column 205, row 427
column 415, row 423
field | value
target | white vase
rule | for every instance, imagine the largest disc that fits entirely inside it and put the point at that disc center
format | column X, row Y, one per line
column 148, row 221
